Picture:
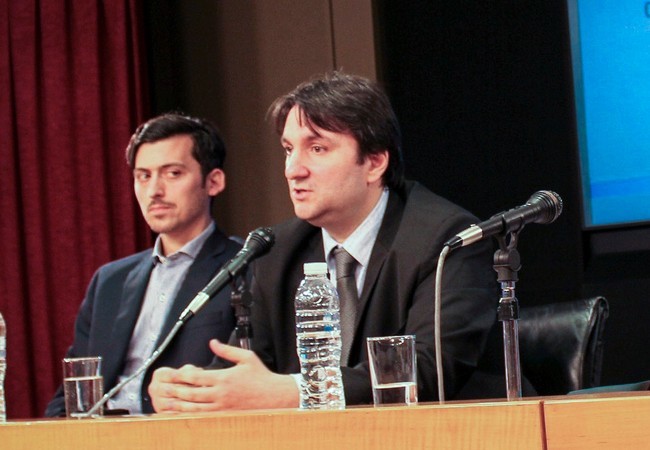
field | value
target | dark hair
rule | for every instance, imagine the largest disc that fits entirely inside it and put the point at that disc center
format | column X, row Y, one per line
column 209, row 149
column 347, row 103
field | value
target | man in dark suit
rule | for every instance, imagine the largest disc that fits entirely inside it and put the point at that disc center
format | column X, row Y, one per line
column 345, row 176
column 133, row 303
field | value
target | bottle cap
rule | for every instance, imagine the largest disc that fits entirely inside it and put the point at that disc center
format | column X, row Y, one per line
column 318, row 268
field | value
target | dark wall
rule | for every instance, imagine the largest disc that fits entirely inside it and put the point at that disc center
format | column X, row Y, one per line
column 483, row 91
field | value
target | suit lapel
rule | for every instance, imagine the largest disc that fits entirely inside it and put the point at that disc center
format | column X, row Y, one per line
column 128, row 312
column 389, row 226
column 315, row 251
column 311, row 250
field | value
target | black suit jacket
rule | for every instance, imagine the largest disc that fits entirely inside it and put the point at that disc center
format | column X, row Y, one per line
column 112, row 305
column 398, row 293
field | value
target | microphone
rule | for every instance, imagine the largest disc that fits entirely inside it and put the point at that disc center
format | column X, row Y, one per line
column 258, row 243
column 541, row 207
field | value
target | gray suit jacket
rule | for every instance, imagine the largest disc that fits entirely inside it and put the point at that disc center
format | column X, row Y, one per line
column 112, row 304
column 398, row 294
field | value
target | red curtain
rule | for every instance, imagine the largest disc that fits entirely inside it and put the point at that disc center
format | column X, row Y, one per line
column 71, row 93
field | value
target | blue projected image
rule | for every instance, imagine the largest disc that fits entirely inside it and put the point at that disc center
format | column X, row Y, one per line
column 610, row 42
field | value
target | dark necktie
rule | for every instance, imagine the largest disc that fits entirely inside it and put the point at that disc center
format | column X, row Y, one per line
column 346, row 286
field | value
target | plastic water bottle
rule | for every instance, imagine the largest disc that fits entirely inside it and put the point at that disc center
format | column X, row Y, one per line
column 318, row 339
column 3, row 368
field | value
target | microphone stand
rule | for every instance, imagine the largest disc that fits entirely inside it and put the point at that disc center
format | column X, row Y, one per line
column 241, row 301
column 258, row 243
column 237, row 297
column 507, row 263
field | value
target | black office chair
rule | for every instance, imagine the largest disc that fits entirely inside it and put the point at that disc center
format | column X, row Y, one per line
column 561, row 345
column 560, row 350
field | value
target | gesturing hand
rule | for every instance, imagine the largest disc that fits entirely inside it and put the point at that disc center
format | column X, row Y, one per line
column 247, row 385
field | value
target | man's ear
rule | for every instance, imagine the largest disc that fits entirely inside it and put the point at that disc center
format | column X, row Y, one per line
column 215, row 182
column 378, row 164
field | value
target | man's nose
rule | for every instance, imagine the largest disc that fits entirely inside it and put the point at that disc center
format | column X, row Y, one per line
column 156, row 187
column 295, row 166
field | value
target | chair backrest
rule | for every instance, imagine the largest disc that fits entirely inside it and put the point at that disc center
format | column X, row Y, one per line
column 561, row 344
column 560, row 350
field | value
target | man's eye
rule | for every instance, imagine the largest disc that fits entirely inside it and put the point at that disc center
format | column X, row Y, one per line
column 142, row 176
column 287, row 150
column 318, row 149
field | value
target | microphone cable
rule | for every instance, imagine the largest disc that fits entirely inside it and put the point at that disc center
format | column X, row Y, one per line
column 436, row 322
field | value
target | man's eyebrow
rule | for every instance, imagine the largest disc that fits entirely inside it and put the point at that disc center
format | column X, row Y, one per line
column 164, row 166
column 314, row 136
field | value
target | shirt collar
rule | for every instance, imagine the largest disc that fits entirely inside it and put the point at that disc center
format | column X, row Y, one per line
column 190, row 249
column 357, row 244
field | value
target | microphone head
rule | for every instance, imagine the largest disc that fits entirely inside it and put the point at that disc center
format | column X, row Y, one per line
column 259, row 241
column 549, row 204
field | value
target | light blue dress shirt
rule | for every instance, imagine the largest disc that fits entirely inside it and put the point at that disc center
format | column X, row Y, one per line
column 165, row 280
column 359, row 244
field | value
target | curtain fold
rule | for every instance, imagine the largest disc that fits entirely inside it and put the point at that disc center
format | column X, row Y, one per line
column 72, row 90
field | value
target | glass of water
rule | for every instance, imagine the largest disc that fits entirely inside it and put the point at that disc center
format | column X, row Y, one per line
column 393, row 370
column 83, row 385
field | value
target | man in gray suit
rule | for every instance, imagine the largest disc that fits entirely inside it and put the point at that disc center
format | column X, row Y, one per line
column 343, row 165
column 132, row 303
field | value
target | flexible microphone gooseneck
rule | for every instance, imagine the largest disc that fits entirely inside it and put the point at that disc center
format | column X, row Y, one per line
column 542, row 207
column 258, row 243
